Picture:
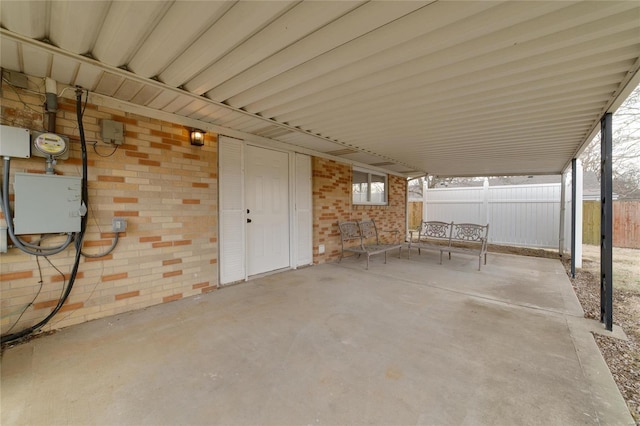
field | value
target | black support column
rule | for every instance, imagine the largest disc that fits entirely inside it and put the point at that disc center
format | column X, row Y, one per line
column 574, row 203
column 606, row 223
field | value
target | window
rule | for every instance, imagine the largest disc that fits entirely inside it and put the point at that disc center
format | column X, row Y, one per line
column 369, row 187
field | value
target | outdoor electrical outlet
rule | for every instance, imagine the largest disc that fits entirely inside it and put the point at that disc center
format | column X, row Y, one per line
column 321, row 249
column 119, row 224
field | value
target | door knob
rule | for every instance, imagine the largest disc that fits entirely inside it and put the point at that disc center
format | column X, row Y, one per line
column 248, row 220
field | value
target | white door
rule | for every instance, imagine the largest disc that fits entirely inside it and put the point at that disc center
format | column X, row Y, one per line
column 267, row 204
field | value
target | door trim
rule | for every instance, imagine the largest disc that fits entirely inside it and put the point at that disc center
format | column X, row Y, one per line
column 293, row 220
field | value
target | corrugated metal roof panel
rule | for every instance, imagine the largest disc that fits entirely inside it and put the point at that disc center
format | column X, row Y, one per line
column 86, row 19
column 235, row 26
column 190, row 20
column 126, row 25
column 365, row 18
column 28, row 18
column 445, row 87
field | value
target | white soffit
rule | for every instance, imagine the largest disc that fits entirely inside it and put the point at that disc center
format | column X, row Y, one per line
column 448, row 88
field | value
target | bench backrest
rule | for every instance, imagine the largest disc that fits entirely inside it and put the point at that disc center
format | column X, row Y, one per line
column 349, row 231
column 471, row 233
column 368, row 229
column 358, row 230
column 435, row 230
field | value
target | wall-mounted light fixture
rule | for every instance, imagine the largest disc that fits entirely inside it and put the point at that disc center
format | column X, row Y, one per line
column 196, row 137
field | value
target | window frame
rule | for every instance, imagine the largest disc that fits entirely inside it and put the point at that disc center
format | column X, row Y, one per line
column 369, row 173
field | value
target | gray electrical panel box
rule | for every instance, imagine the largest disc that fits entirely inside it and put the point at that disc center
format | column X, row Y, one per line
column 112, row 131
column 47, row 204
column 14, row 142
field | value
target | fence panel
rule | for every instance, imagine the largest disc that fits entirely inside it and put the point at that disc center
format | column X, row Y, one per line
column 529, row 215
column 591, row 222
column 525, row 215
column 520, row 215
column 415, row 214
column 454, row 204
column 626, row 223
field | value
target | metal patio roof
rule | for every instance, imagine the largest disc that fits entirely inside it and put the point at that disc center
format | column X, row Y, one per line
column 442, row 87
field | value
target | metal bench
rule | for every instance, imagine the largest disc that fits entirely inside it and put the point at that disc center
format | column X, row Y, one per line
column 365, row 233
column 432, row 235
column 471, row 239
column 464, row 238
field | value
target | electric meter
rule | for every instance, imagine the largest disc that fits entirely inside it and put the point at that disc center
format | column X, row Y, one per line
column 50, row 144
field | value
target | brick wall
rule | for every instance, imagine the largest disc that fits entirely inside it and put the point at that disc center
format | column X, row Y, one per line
column 167, row 191
column 164, row 187
column 333, row 203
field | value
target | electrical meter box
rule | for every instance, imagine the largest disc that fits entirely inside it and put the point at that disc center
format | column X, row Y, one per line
column 47, row 204
column 45, row 144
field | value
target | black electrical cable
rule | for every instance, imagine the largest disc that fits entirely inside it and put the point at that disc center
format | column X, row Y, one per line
column 85, row 172
column 104, row 155
column 64, row 279
column 32, row 300
column 79, row 236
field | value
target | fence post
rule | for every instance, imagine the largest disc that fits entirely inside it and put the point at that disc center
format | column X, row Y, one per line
column 485, row 199
column 425, row 190
column 579, row 207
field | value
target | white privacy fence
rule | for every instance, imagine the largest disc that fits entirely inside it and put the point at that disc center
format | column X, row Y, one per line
column 519, row 215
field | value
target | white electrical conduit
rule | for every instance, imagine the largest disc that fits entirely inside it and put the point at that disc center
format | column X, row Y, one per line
column 109, row 250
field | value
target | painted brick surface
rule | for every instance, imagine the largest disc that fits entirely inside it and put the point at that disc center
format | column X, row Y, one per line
column 332, row 203
column 164, row 187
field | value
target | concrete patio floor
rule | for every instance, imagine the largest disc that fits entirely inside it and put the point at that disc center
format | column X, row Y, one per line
column 409, row 342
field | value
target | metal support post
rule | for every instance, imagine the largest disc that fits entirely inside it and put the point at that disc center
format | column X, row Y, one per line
column 574, row 203
column 606, row 223
column 563, row 201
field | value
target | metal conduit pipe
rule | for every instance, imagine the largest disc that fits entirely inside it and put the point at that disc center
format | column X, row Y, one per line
column 51, row 104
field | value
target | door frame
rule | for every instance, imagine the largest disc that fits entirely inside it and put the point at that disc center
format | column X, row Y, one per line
column 293, row 228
